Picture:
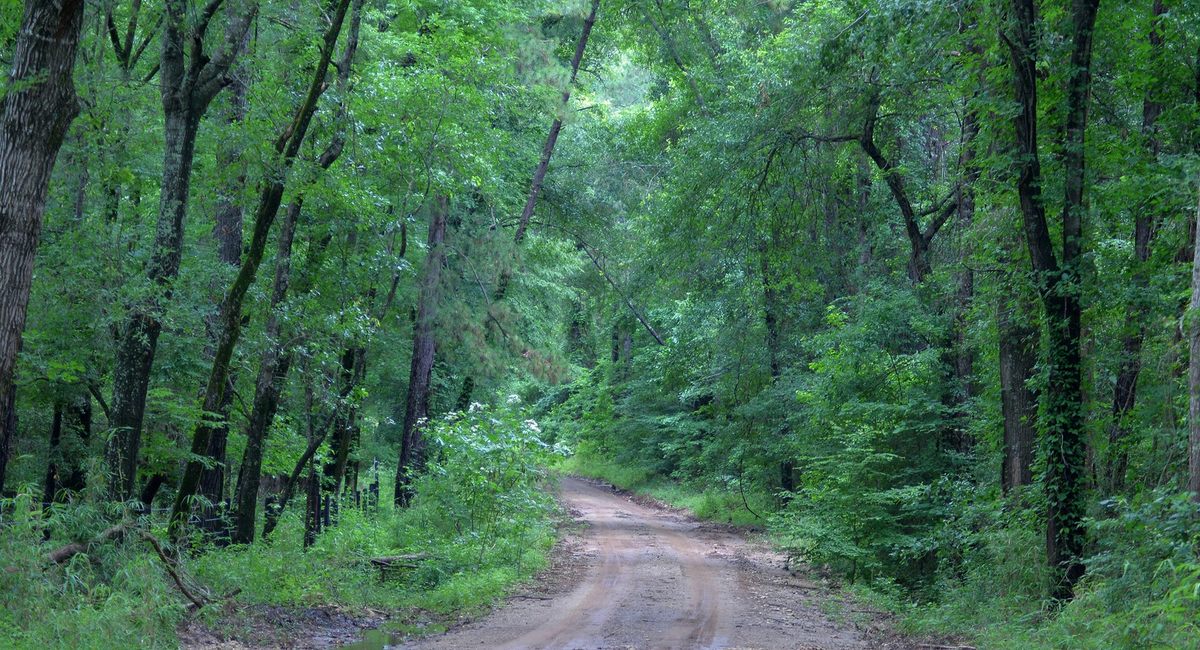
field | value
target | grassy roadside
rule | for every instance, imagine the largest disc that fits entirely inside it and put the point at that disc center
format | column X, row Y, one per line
column 120, row 595
column 481, row 520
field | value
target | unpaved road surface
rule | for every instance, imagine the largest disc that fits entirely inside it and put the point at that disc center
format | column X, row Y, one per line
column 638, row 576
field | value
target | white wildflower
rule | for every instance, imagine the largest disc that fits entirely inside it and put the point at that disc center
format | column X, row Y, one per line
column 532, row 426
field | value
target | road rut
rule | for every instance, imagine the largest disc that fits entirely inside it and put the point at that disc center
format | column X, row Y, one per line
column 637, row 576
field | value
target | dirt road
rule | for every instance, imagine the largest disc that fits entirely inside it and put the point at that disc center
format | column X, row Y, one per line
column 637, row 576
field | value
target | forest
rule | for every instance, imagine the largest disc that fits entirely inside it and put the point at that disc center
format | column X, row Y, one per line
column 310, row 306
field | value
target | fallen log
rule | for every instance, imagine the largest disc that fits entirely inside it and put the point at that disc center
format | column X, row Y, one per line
column 392, row 564
column 112, row 534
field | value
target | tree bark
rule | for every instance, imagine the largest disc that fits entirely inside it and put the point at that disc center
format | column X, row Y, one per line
column 1194, row 373
column 1130, row 367
column 227, row 234
column 277, row 358
column 416, row 409
column 230, row 315
column 1018, row 339
column 1058, row 284
column 35, row 113
column 188, row 85
column 919, row 239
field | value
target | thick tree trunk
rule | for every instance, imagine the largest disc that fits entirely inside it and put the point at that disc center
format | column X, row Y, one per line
column 35, row 112
column 1018, row 338
column 230, row 315
column 416, row 409
column 1058, row 283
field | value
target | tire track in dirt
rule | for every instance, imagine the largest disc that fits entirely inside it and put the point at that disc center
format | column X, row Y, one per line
column 644, row 577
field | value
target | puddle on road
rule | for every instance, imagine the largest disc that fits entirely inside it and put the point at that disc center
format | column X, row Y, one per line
column 375, row 640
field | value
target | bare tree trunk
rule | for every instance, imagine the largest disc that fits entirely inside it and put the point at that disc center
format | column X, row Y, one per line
column 416, row 409
column 37, row 108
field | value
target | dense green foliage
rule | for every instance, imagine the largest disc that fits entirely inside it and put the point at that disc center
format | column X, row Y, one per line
column 801, row 265
column 482, row 520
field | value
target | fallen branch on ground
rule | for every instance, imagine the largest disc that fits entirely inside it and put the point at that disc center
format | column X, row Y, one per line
column 112, row 534
column 172, row 566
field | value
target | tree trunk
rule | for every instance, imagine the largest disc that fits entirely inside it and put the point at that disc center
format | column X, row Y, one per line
column 230, row 316
column 277, row 358
column 1194, row 374
column 50, row 487
column 227, row 234
column 1125, row 388
column 188, row 85
column 771, row 317
column 919, row 240
column 1058, row 284
column 1018, row 338
column 539, row 175
column 64, row 471
column 416, row 409
column 35, row 112
column 344, row 425
column 272, row 371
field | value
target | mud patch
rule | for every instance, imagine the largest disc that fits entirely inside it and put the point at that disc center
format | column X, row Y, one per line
column 273, row 626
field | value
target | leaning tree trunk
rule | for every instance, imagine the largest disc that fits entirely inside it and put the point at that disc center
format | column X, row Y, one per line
column 277, row 359
column 416, row 408
column 230, row 313
column 38, row 107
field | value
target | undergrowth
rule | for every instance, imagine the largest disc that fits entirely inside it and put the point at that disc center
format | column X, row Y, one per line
column 482, row 520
